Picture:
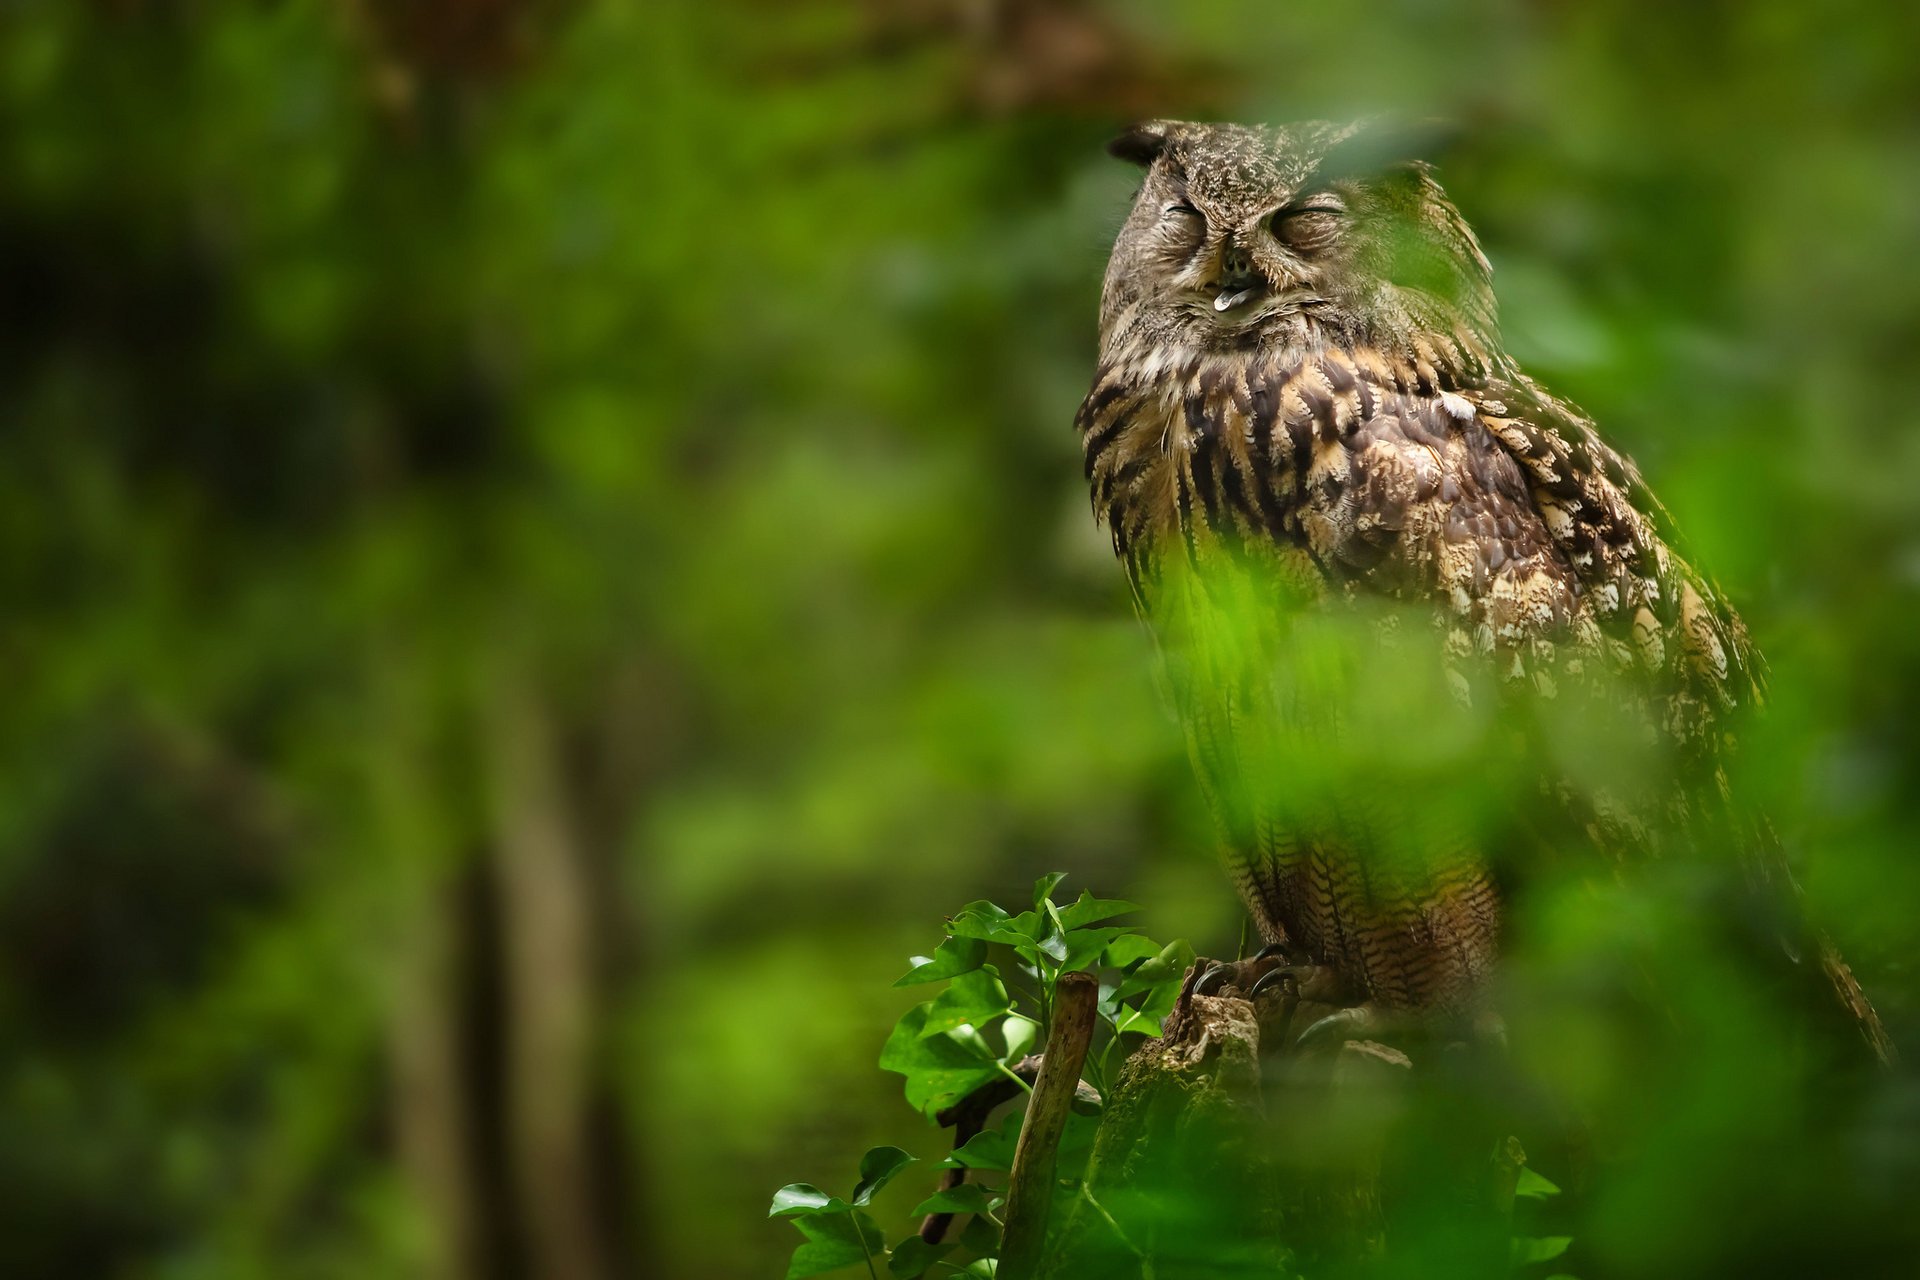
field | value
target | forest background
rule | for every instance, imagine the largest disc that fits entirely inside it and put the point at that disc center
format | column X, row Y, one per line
column 544, row 550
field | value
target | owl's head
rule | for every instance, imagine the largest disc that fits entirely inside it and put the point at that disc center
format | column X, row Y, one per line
column 1246, row 237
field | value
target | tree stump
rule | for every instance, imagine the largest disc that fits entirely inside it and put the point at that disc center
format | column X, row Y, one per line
column 1215, row 1159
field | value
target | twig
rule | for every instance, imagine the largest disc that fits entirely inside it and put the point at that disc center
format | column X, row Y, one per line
column 1030, row 1186
column 933, row 1227
column 968, row 1117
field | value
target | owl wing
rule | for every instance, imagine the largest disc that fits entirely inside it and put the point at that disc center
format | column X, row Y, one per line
column 1502, row 507
column 1544, row 552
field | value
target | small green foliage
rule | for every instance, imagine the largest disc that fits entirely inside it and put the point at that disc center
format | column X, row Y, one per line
column 912, row 1256
column 940, row 1069
column 1532, row 1186
column 1000, row 969
column 990, row 1148
column 804, row 1200
column 950, row 959
column 1531, row 1249
column 968, row 1197
column 877, row 1169
column 981, row 1237
column 974, row 999
column 835, row 1241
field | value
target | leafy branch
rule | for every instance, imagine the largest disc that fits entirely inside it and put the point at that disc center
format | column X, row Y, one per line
column 968, row 1049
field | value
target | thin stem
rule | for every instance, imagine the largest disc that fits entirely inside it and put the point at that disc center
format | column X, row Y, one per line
column 1012, row 1075
column 861, row 1236
column 1087, row 1194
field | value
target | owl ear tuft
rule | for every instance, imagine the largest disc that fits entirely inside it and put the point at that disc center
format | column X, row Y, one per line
column 1141, row 144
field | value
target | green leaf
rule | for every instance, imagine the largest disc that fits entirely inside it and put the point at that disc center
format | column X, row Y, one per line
column 965, row 1198
column 980, row 1236
column 985, row 921
column 913, row 1256
column 1129, row 948
column 1159, row 980
column 1049, row 938
column 1531, row 1249
column 1044, row 886
column 1083, row 946
column 804, row 1200
column 982, row 920
column 990, row 1148
column 1167, row 969
column 952, row 957
column 1532, row 1186
column 1091, row 910
column 970, row 1000
column 877, row 1169
column 841, row 1240
column 1019, row 1034
column 984, row 1267
column 940, row 1069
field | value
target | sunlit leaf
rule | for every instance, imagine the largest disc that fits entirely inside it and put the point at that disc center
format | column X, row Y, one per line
column 1019, row 1033
column 939, row 1069
column 972, row 1000
column 1129, row 948
column 800, row 1199
column 1084, row 946
column 1091, row 910
column 952, row 957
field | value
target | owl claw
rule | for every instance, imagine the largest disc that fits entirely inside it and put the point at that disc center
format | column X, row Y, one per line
column 1272, row 978
column 1212, row 980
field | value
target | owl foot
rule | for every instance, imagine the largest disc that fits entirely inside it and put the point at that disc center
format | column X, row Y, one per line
column 1267, row 969
column 1267, row 980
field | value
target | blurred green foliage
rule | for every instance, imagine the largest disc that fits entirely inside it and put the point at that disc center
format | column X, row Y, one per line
column 543, row 541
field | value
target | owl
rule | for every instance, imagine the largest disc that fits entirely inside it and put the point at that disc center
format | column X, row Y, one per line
column 1303, row 414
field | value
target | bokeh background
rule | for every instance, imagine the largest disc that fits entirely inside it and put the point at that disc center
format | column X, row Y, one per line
column 542, row 549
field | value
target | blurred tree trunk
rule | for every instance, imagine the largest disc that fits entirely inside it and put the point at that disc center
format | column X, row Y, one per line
column 432, row 1103
column 545, row 922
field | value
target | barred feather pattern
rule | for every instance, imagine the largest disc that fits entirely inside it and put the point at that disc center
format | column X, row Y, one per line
column 1437, row 474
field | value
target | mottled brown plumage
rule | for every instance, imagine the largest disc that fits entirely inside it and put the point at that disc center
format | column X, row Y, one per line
column 1303, row 401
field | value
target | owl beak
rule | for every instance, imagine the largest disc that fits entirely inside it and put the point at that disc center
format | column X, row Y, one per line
column 1233, row 295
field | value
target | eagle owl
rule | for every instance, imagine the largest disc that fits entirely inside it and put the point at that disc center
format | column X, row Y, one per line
column 1303, row 408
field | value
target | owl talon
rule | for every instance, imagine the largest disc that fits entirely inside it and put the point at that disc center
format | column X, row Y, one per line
column 1271, row 951
column 1284, row 978
column 1213, row 980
